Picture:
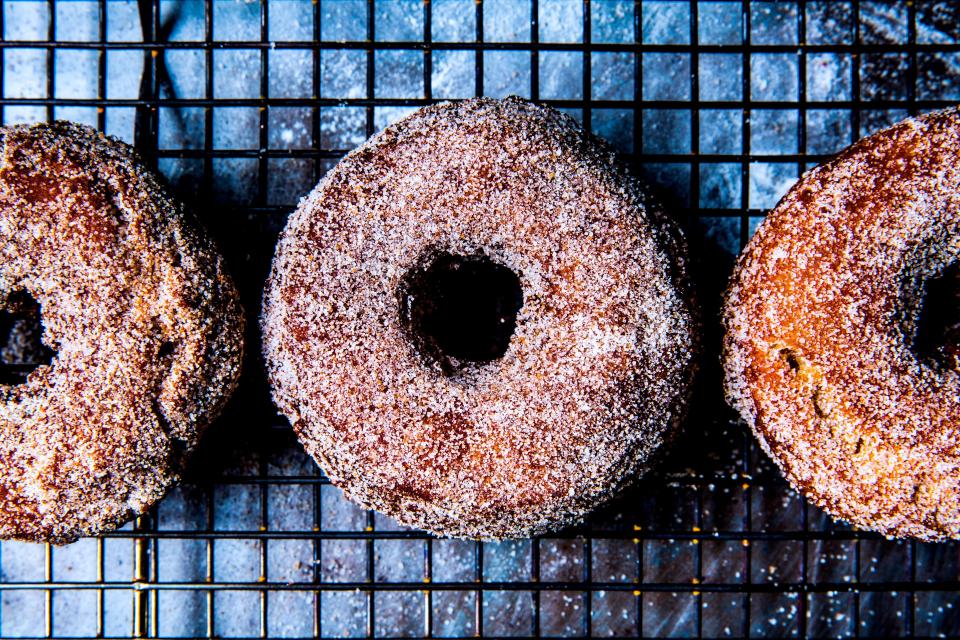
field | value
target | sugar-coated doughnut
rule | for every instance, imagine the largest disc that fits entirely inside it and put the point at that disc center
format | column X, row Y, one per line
column 842, row 325
column 478, row 323
column 143, row 325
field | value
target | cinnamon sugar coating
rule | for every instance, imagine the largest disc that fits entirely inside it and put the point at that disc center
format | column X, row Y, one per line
column 145, row 324
column 821, row 318
column 597, row 371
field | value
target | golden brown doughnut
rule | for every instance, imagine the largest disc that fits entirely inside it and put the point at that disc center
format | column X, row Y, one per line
column 493, row 219
column 822, row 355
column 144, row 322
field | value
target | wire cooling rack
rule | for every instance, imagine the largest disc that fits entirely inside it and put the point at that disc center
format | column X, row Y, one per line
column 244, row 105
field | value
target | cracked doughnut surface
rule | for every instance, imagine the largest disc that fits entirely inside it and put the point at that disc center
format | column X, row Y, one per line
column 598, row 367
column 822, row 317
column 145, row 324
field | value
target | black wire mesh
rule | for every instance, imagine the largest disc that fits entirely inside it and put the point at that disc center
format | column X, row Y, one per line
column 243, row 106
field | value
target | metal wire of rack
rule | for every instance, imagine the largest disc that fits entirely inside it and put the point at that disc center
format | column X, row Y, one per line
column 244, row 105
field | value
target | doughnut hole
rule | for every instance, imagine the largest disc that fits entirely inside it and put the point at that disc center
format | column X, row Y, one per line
column 460, row 310
column 937, row 339
column 21, row 331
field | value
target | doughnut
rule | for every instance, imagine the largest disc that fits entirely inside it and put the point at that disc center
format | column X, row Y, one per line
column 842, row 326
column 479, row 324
column 139, row 323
